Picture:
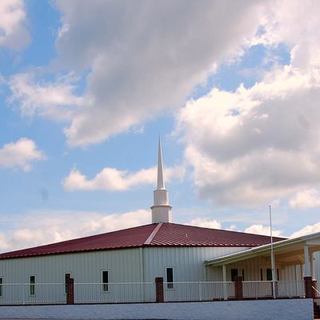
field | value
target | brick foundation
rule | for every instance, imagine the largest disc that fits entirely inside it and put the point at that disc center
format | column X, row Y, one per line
column 308, row 287
column 238, row 288
column 70, row 289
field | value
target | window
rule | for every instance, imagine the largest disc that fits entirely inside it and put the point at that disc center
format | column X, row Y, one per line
column 169, row 278
column 269, row 274
column 234, row 274
column 1, row 287
column 66, row 277
column 105, row 280
column 261, row 274
column 32, row 285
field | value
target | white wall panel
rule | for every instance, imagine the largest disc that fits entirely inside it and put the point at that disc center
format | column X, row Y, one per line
column 122, row 265
column 188, row 263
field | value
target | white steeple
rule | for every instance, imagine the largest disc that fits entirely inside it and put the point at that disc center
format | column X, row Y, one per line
column 161, row 209
column 160, row 182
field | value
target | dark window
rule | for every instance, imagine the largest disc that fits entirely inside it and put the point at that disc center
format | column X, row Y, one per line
column 169, row 278
column 234, row 274
column 1, row 287
column 32, row 285
column 269, row 274
column 105, row 280
column 261, row 275
column 66, row 276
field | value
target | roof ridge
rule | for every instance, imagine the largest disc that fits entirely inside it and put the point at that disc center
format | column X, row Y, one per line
column 153, row 234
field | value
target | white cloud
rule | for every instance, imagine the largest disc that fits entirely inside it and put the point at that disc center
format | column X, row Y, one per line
column 261, row 229
column 36, row 229
column 112, row 179
column 4, row 244
column 309, row 198
column 233, row 227
column 252, row 146
column 149, row 57
column 51, row 100
column 245, row 146
column 280, row 26
column 20, row 154
column 205, row 223
column 13, row 31
column 306, row 230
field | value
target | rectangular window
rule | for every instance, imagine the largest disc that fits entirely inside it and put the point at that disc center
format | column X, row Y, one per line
column 1, row 281
column 32, row 285
column 261, row 274
column 269, row 274
column 234, row 274
column 105, row 280
column 169, row 278
column 66, row 277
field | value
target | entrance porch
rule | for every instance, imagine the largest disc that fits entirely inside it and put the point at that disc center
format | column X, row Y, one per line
column 295, row 273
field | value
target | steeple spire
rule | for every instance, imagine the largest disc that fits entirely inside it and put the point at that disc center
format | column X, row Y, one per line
column 161, row 209
column 160, row 180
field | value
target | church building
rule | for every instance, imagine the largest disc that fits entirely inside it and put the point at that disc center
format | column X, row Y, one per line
column 191, row 264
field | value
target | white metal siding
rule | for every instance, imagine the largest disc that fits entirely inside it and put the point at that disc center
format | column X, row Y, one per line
column 130, row 265
column 188, row 263
column 123, row 266
column 126, row 265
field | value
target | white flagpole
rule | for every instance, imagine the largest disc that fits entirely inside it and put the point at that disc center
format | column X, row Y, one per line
column 272, row 258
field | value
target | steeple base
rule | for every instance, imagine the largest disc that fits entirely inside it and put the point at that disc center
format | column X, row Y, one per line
column 161, row 213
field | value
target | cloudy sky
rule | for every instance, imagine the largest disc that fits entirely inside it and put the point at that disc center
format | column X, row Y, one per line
column 86, row 88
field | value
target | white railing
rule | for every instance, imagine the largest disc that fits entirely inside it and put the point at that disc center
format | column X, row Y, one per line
column 55, row 293
column 198, row 291
column 257, row 289
column 40, row 293
column 317, row 292
column 120, row 292
column 264, row 289
column 291, row 289
column 138, row 292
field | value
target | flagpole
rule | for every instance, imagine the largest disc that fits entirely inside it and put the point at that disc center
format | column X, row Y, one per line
column 272, row 258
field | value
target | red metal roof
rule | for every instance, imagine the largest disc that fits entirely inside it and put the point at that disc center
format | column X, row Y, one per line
column 171, row 234
column 152, row 235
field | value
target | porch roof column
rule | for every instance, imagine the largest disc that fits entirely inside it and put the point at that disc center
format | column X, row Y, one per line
column 224, row 278
column 307, row 272
column 307, row 262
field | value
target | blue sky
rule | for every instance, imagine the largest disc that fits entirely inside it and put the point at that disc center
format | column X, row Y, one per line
column 86, row 88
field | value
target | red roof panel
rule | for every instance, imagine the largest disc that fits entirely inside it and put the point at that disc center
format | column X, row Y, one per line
column 152, row 235
column 127, row 238
column 171, row 234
